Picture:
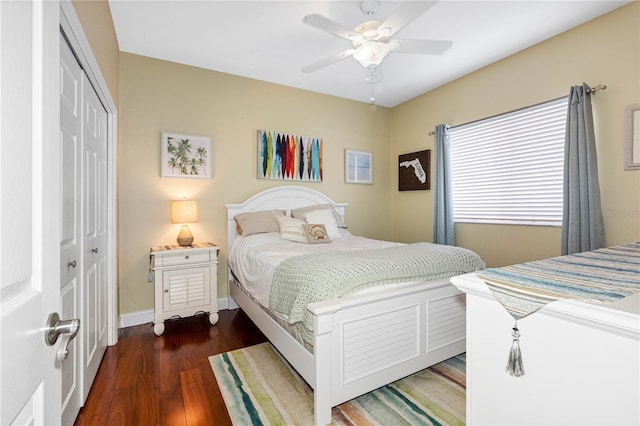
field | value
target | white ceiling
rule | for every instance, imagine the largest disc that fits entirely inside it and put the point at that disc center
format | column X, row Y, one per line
column 267, row 40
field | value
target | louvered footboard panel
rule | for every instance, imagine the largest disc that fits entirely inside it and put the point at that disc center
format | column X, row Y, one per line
column 376, row 343
column 447, row 321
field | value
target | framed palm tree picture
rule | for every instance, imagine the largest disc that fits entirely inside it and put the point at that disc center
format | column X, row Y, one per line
column 185, row 156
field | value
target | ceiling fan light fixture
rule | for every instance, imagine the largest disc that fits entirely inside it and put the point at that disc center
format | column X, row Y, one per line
column 371, row 53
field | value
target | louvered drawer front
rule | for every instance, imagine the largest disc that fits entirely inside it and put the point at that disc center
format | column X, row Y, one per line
column 373, row 344
column 447, row 321
column 185, row 288
column 178, row 258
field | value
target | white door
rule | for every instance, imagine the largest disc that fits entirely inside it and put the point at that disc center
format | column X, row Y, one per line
column 94, row 285
column 83, row 245
column 70, row 235
column 30, row 374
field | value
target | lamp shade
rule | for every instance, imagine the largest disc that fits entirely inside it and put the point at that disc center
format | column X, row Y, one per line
column 371, row 53
column 184, row 211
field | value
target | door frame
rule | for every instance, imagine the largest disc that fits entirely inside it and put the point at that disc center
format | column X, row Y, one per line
column 72, row 28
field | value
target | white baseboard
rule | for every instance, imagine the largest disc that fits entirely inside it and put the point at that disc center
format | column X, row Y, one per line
column 143, row 317
column 136, row 318
column 223, row 304
column 231, row 304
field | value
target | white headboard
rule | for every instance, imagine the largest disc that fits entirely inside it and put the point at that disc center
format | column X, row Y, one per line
column 281, row 197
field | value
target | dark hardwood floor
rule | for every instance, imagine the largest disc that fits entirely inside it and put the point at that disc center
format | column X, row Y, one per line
column 167, row 380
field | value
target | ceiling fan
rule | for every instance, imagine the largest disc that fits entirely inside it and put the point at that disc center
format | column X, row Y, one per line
column 373, row 40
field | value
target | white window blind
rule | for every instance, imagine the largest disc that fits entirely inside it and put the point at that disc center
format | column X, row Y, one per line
column 508, row 168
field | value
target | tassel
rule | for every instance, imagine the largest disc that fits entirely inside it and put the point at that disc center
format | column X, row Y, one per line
column 514, row 364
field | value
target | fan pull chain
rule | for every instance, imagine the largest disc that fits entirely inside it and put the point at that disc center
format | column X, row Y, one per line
column 372, row 99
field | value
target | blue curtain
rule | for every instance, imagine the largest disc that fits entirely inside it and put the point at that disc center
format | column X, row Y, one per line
column 582, row 223
column 443, row 226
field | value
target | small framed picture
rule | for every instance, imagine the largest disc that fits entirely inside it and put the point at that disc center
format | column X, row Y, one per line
column 186, row 156
column 358, row 167
column 632, row 138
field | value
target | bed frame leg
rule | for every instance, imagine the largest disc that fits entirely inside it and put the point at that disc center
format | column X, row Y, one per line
column 321, row 413
column 323, row 373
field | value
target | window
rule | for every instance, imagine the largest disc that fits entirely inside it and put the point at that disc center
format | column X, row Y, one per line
column 509, row 168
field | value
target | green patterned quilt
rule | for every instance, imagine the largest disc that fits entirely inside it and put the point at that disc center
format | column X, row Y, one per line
column 309, row 278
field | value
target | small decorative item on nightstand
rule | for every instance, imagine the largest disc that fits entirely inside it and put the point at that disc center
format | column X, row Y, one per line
column 185, row 282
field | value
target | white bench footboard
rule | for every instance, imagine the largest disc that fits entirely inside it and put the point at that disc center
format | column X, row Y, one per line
column 364, row 343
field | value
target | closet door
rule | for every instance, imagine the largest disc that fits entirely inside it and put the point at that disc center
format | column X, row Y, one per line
column 83, row 242
column 94, row 141
column 71, row 237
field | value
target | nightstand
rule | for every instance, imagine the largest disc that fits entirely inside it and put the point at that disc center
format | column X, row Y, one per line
column 185, row 282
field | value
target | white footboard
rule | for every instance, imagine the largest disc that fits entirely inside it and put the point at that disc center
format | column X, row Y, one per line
column 365, row 342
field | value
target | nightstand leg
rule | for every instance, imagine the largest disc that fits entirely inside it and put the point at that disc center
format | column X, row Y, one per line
column 158, row 328
column 213, row 318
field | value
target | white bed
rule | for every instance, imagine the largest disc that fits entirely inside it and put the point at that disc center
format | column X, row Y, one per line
column 427, row 321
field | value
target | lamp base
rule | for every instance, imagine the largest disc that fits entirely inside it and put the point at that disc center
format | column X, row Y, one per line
column 185, row 237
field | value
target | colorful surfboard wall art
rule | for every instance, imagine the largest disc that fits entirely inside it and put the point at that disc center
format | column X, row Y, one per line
column 285, row 156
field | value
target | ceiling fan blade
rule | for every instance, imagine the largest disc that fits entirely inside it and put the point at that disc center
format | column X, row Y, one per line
column 406, row 13
column 328, row 61
column 325, row 24
column 427, row 47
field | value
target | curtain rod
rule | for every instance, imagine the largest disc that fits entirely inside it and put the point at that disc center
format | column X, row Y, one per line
column 599, row 88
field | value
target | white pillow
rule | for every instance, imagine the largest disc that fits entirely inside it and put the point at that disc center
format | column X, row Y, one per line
column 299, row 212
column 326, row 218
column 291, row 229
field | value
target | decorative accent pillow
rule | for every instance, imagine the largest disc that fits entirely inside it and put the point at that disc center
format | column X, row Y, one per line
column 291, row 229
column 300, row 212
column 258, row 222
column 326, row 218
column 315, row 233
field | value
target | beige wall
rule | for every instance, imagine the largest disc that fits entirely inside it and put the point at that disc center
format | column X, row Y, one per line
column 95, row 17
column 605, row 50
column 158, row 96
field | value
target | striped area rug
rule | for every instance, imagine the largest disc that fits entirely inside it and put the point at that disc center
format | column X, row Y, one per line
column 260, row 388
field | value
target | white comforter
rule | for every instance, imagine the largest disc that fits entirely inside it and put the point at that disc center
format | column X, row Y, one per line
column 253, row 259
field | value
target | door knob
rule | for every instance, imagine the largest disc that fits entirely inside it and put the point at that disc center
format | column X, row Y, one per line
column 55, row 327
column 94, row 250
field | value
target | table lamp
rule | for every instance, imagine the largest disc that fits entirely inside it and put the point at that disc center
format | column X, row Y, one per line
column 184, row 211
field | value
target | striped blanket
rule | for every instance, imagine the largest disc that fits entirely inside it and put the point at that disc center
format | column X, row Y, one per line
column 602, row 275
